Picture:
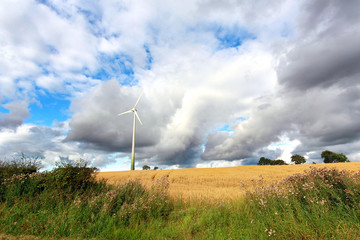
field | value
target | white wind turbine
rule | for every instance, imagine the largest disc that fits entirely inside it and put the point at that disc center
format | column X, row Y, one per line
column 134, row 126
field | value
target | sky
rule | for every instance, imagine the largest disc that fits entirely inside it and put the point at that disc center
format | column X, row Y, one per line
column 224, row 82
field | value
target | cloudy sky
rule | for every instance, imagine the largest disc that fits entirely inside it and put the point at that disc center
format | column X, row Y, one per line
column 224, row 82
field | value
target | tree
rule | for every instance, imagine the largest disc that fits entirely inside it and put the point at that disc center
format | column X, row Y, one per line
column 264, row 161
column 156, row 168
column 278, row 162
column 342, row 158
column 331, row 157
column 146, row 167
column 298, row 159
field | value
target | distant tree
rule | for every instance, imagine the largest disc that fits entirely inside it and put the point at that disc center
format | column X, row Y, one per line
column 278, row 162
column 331, row 157
column 156, row 168
column 342, row 158
column 298, row 159
column 264, row 161
column 328, row 156
column 146, row 167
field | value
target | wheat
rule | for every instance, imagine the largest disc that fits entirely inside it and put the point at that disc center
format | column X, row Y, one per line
column 217, row 184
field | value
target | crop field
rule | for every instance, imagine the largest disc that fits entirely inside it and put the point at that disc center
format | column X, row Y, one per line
column 249, row 202
column 217, row 184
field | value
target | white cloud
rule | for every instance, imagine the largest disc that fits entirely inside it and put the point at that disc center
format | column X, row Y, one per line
column 291, row 71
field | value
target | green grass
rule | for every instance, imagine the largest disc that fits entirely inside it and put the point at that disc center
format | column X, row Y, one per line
column 69, row 203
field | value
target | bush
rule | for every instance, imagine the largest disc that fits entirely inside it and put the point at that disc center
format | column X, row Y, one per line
column 94, row 213
column 72, row 177
column 70, row 201
column 14, row 176
column 22, row 179
column 18, row 166
column 311, row 205
column 319, row 186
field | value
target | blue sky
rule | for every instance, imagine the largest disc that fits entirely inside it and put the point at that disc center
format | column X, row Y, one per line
column 224, row 83
column 49, row 108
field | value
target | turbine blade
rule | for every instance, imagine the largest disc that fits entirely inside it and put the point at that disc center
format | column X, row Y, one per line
column 124, row 112
column 137, row 116
column 138, row 99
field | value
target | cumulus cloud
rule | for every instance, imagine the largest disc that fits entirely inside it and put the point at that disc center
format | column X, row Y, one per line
column 319, row 89
column 224, row 82
column 39, row 48
column 179, row 107
column 325, row 51
column 18, row 111
column 47, row 145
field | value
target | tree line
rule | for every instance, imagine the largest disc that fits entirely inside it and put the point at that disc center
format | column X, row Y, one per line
column 146, row 167
column 328, row 156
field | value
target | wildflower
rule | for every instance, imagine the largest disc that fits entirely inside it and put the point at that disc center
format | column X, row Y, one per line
column 270, row 232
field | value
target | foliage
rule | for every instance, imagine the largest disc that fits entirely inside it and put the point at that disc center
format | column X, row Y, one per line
column 17, row 170
column 278, row 162
column 310, row 204
column 298, row 159
column 70, row 201
column 321, row 203
column 266, row 161
column 22, row 165
column 156, row 168
column 146, row 167
column 70, row 177
column 331, row 157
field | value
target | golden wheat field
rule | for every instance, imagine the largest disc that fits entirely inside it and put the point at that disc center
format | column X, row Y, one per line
column 216, row 184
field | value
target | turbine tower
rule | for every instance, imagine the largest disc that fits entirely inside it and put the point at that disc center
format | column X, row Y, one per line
column 133, row 110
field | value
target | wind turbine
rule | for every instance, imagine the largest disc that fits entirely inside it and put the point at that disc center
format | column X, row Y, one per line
column 133, row 110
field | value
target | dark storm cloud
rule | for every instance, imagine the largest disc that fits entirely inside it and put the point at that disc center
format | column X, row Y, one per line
column 169, row 135
column 252, row 135
column 18, row 111
column 26, row 138
column 326, row 50
column 325, row 62
column 326, row 17
column 96, row 123
column 186, row 157
column 323, row 67
column 320, row 119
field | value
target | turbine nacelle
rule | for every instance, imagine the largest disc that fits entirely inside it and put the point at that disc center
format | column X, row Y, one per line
column 133, row 110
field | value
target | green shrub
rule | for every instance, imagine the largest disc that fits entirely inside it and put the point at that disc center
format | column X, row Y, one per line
column 96, row 212
column 22, row 165
column 310, row 205
column 21, row 179
column 15, row 174
column 72, row 177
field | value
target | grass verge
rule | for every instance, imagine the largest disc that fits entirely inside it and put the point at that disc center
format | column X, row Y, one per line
column 320, row 203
